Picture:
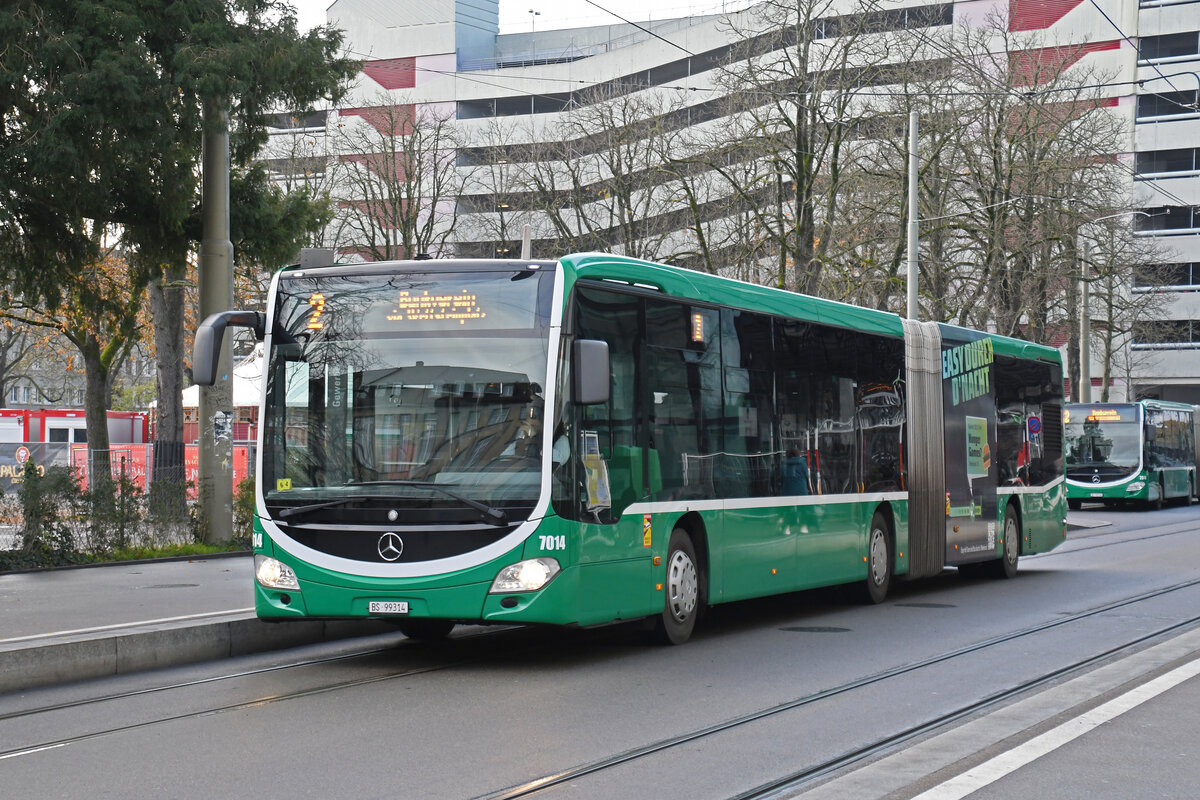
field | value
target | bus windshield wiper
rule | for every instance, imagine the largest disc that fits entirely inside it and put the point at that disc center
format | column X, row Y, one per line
column 294, row 510
column 490, row 513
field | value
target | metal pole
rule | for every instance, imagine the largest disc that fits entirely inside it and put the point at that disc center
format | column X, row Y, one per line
column 913, row 229
column 1085, row 329
column 216, row 294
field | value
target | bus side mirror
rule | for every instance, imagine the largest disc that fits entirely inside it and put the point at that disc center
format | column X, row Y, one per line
column 207, row 350
column 1151, row 432
column 590, row 370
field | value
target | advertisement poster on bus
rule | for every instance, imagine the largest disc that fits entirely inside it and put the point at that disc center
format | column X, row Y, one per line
column 970, row 442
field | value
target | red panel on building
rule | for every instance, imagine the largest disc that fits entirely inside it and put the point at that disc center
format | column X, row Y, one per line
column 1039, row 66
column 1037, row 15
column 393, row 73
column 394, row 120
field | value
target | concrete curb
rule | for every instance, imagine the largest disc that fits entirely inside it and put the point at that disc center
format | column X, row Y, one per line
column 133, row 648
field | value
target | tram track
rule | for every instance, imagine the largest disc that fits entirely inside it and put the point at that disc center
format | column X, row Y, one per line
column 814, row 772
column 546, row 782
column 357, row 654
column 800, row 779
column 1179, row 528
column 1130, row 537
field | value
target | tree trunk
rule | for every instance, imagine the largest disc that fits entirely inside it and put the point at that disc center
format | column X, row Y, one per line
column 168, row 485
column 99, row 458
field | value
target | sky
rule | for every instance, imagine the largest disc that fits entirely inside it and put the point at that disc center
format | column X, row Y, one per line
column 515, row 16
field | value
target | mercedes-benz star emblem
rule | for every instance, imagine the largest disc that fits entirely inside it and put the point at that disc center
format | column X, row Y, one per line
column 390, row 546
column 1095, row 479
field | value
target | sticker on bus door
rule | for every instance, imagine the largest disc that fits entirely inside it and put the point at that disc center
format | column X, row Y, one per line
column 596, row 469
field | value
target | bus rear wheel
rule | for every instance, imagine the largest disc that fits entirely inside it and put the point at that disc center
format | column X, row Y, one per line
column 879, row 561
column 684, row 589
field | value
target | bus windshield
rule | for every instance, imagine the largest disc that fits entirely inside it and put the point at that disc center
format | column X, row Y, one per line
column 413, row 390
column 1103, row 437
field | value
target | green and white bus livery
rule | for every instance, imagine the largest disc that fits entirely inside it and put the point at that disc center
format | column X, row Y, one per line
column 597, row 439
column 1141, row 453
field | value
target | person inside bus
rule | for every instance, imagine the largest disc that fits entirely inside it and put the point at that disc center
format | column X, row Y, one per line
column 795, row 473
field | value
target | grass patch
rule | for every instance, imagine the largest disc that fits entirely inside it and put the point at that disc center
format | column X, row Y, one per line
column 172, row 551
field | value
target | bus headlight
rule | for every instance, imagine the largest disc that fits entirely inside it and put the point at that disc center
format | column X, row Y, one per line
column 1136, row 486
column 525, row 576
column 275, row 574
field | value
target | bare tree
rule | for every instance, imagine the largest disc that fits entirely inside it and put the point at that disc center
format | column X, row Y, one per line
column 397, row 181
column 600, row 180
column 796, row 73
column 497, row 202
column 30, row 356
column 1124, row 272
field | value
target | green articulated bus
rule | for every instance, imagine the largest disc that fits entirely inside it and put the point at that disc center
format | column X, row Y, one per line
column 598, row 438
column 1140, row 453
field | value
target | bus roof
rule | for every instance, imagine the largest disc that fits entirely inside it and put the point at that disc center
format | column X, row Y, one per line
column 703, row 287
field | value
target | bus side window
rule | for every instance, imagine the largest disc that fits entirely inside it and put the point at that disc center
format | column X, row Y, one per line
column 682, row 359
column 614, row 318
column 793, row 403
column 1029, row 397
column 748, row 465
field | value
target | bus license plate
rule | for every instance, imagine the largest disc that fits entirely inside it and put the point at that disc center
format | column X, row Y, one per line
column 387, row 607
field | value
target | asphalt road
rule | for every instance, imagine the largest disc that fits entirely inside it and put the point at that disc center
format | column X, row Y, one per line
column 765, row 690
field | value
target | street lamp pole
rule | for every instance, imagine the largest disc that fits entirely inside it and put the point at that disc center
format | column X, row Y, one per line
column 913, row 228
column 1085, row 328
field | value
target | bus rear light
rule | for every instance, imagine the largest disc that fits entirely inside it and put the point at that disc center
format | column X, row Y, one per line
column 525, row 576
column 274, row 574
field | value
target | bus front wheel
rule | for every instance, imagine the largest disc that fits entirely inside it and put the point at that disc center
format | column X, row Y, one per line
column 684, row 590
column 1157, row 503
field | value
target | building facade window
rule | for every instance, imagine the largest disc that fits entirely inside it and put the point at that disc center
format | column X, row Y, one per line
column 1168, row 220
column 1166, row 104
column 1182, row 276
column 1169, row 46
column 1160, row 162
column 1166, row 334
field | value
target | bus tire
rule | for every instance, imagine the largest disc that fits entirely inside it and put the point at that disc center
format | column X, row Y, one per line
column 684, row 589
column 879, row 561
column 1157, row 503
column 426, row 630
column 1006, row 566
column 1074, row 505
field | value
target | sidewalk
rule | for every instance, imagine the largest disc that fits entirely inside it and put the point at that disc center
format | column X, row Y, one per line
column 66, row 625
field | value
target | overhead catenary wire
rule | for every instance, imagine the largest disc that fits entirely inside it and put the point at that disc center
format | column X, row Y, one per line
column 1124, row 36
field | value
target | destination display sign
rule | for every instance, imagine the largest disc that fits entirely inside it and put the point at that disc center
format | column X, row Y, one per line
column 1101, row 414
column 432, row 306
column 348, row 306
